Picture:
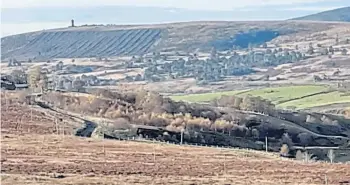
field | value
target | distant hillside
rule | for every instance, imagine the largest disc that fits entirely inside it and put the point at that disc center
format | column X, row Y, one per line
column 114, row 40
column 339, row 15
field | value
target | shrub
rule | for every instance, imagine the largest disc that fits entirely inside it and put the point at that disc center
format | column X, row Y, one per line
column 312, row 119
column 284, row 150
column 255, row 133
column 121, row 124
column 286, row 139
column 304, row 139
column 158, row 122
column 300, row 155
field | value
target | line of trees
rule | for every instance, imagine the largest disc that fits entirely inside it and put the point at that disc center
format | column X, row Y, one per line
column 246, row 103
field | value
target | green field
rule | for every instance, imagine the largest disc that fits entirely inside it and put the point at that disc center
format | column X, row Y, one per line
column 203, row 97
column 299, row 96
column 282, row 94
column 319, row 100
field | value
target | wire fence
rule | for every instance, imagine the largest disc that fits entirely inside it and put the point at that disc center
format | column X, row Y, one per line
column 197, row 145
column 265, row 145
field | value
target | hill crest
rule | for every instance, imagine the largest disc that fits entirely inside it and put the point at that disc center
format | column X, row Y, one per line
column 119, row 40
column 338, row 15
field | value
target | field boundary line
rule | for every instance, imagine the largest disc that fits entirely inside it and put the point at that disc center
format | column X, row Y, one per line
column 306, row 96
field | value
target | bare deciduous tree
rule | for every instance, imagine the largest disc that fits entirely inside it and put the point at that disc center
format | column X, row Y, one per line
column 37, row 78
column 344, row 51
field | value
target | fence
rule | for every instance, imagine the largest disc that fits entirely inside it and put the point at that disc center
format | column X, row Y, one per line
column 154, row 141
column 265, row 145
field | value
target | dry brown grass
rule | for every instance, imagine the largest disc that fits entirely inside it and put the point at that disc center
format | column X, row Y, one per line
column 38, row 156
column 17, row 118
column 35, row 159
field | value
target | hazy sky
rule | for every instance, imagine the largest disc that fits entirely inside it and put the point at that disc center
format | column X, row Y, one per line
column 18, row 16
column 188, row 4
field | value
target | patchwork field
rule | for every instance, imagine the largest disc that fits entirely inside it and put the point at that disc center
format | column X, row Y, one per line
column 319, row 100
column 302, row 96
column 204, row 97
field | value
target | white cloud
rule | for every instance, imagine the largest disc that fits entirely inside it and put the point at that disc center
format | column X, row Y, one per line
column 189, row 4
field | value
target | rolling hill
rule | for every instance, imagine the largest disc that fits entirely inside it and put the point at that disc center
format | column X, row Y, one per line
column 116, row 40
column 338, row 15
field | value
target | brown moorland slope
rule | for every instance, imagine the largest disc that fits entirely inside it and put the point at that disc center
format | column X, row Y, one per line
column 48, row 159
column 39, row 156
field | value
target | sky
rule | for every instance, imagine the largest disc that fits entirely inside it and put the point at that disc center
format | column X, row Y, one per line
column 186, row 4
column 19, row 16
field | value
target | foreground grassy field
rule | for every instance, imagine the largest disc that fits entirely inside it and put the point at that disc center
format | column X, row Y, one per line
column 303, row 96
column 34, row 153
column 50, row 159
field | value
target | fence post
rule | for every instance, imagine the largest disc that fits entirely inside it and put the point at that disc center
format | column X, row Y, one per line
column 182, row 136
column 31, row 114
column 224, row 164
column 7, row 106
column 55, row 120
column 154, row 158
column 330, row 155
column 104, row 149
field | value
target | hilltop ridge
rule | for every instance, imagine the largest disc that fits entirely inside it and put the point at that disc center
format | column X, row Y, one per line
column 114, row 40
column 339, row 15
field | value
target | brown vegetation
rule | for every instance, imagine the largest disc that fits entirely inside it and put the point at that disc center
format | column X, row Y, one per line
column 43, row 159
column 229, row 116
column 17, row 118
column 284, row 150
column 248, row 103
column 34, row 154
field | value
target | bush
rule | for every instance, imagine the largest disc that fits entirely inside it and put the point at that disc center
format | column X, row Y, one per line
column 284, row 150
column 312, row 119
column 121, row 124
column 158, row 122
column 255, row 133
column 304, row 139
column 287, row 140
column 300, row 155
